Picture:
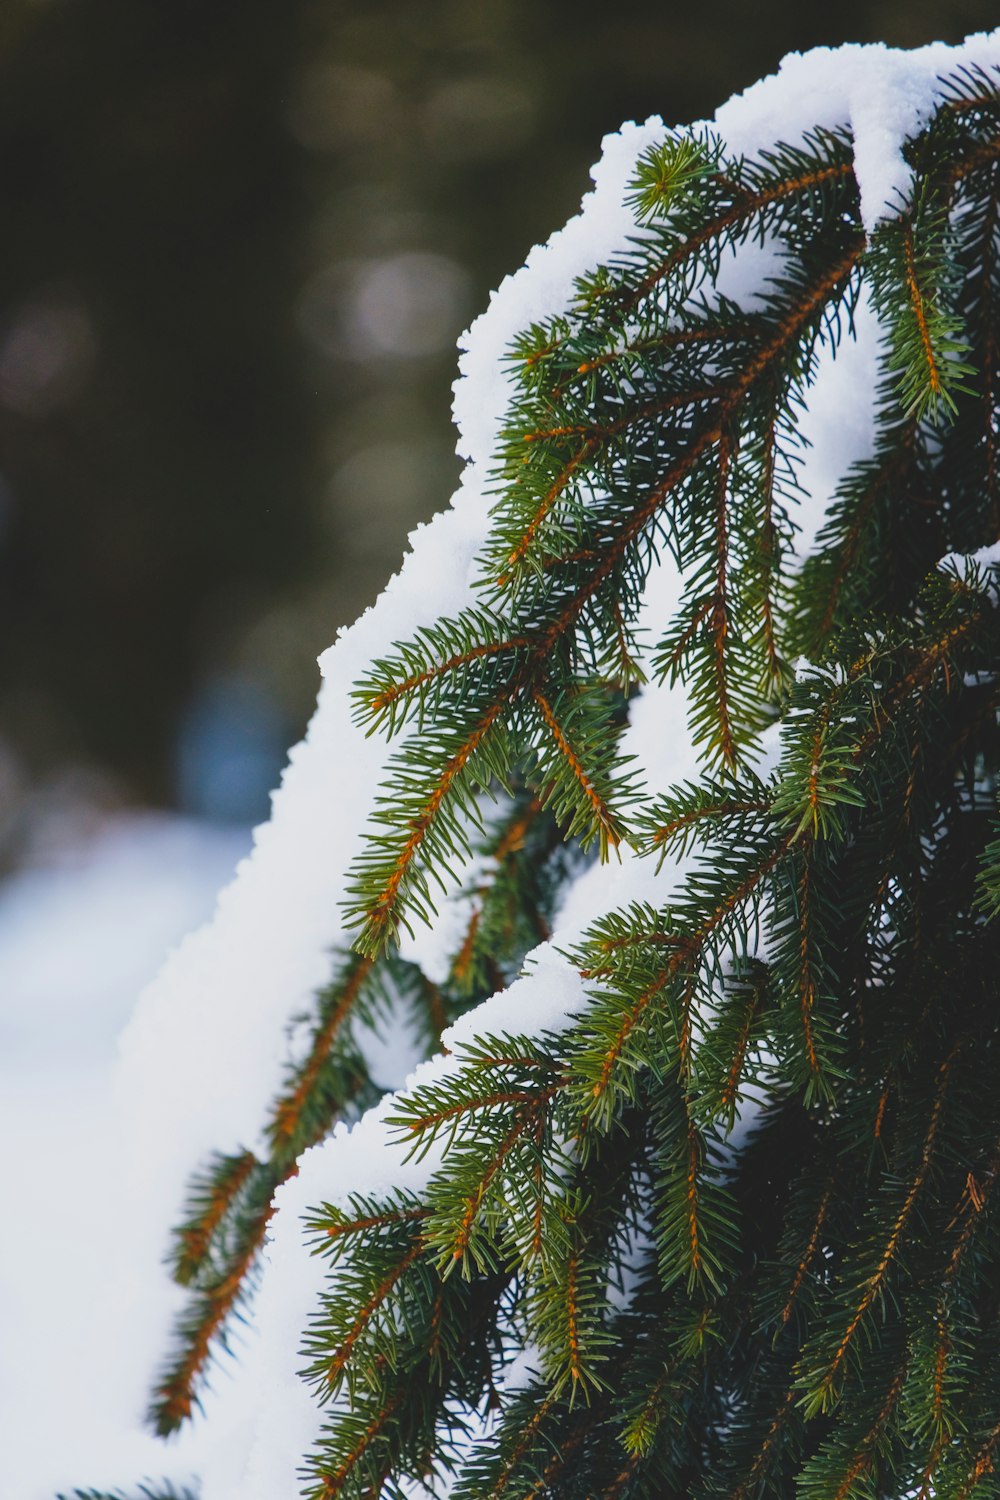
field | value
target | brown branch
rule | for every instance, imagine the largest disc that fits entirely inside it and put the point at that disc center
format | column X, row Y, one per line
column 688, row 948
column 731, row 1086
column 931, row 659
column 938, row 1449
column 566, row 1448
column 602, row 812
column 785, row 330
column 335, row 1368
column 862, row 1459
column 380, row 913
column 375, row 1221
column 334, row 1483
column 462, row 962
column 511, row 843
column 802, row 1269
column 691, row 1197
column 533, row 1112
column 670, row 664
column 522, row 548
column 973, row 1201
column 880, row 1112
column 514, row 836
column 481, row 1101
column 675, row 338
column 510, row 1060
column 538, row 1178
column 764, row 1452
column 287, row 1114
column 520, row 1448
column 744, row 207
column 875, row 1282
column 572, row 1318
column 727, row 807
column 637, row 939
column 599, row 433
column 390, row 695
column 983, row 1463
column 174, row 1398
column 655, row 1396
column 630, row 1021
column 622, row 1478
column 748, row 205
column 919, row 310
column 196, row 1237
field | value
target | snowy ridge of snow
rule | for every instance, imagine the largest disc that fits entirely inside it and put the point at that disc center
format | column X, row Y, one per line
column 232, row 985
column 881, row 94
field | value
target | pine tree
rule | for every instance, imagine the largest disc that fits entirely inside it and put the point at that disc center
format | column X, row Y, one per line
column 734, row 1214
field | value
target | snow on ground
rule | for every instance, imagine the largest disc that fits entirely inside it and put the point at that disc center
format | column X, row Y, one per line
column 78, row 939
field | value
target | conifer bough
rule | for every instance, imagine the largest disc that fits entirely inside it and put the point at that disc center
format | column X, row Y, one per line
column 704, row 1203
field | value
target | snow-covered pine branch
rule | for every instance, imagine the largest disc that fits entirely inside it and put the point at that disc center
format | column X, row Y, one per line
column 733, row 413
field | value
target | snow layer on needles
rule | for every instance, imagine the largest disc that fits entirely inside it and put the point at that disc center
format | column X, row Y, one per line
column 880, row 95
column 204, row 1052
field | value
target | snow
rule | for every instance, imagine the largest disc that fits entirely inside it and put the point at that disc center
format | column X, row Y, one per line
column 204, row 1051
column 970, row 565
column 77, row 940
column 842, row 385
column 881, row 95
column 90, row 923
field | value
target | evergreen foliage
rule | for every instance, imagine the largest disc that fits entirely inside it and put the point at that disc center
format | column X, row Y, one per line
column 806, row 1303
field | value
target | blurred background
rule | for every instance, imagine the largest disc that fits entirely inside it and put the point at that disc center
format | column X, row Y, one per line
column 239, row 242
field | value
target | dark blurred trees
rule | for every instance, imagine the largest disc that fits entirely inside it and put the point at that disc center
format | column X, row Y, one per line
column 156, row 446
column 239, row 242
